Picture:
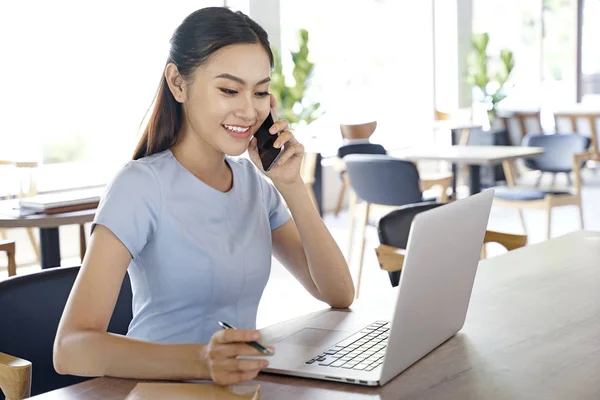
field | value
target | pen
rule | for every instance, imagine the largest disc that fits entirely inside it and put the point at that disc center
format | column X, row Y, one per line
column 256, row 345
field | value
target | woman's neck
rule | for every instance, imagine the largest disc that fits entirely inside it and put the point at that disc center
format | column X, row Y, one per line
column 202, row 160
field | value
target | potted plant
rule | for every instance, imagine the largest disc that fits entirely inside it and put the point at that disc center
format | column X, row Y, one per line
column 291, row 94
column 489, row 75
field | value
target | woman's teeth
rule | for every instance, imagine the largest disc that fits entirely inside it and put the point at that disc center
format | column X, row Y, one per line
column 237, row 129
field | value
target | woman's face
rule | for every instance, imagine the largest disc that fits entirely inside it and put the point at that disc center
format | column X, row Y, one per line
column 228, row 98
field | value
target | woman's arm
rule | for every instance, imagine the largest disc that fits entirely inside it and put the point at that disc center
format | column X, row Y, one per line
column 307, row 249
column 82, row 345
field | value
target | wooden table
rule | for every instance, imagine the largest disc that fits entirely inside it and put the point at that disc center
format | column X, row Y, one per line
column 473, row 156
column 48, row 225
column 532, row 332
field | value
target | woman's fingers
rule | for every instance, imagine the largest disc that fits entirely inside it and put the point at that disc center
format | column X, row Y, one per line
column 241, row 365
column 279, row 126
column 291, row 151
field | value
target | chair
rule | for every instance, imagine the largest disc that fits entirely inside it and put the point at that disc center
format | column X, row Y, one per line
column 343, row 151
column 358, row 131
column 555, row 159
column 394, row 228
column 31, row 308
column 22, row 184
column 559, row 152
column 384, row 181
column 527, row 122
column 9, row 247
column 591, row 118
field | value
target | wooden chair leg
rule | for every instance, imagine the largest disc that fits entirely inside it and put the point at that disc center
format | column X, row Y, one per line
column 340, row 200
column 15, row 377
column 351, row 215
column 483, row 252
column 3, row 235
column 12, row 263
column 34, row 243
column 82, row 241
column 362, row 248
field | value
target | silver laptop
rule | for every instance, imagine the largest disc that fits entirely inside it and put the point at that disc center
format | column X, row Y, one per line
column 443, row 252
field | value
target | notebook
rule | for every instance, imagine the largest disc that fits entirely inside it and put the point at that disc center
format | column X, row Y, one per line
column 185, row 391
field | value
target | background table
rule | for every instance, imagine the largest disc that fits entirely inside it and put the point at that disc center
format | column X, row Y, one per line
column 48, row 225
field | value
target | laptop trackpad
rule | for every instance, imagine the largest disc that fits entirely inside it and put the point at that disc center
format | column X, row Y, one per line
column 315, row 337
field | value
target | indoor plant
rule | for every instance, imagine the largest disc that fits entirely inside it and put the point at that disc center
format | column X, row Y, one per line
column 291, row 93
column 489, row 75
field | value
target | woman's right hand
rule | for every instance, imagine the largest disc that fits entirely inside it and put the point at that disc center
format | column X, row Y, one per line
column 220, row 356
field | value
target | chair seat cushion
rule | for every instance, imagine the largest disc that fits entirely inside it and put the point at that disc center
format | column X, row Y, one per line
column 524, row 194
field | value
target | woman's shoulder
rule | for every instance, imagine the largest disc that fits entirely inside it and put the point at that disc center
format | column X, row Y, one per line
column 140, row 176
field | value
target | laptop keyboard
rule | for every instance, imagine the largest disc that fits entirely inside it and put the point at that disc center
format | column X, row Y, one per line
column 362, row 351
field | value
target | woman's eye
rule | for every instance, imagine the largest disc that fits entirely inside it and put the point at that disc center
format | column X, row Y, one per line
column 262, row 94
column 228, row 91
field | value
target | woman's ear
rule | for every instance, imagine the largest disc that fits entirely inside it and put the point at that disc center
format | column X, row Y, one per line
column 175, row 82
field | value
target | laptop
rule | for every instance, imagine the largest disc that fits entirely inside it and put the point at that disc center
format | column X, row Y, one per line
column 443, row 252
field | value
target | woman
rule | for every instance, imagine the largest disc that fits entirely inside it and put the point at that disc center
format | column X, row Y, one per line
column 196, row 229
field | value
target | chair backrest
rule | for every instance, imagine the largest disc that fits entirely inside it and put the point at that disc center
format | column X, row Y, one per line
column 360, row 148
column 358, row 131
column 584, row 122
column 522, row 123
column 384, row 180
column 31, row 309
column 394, row 227
column 558, row 151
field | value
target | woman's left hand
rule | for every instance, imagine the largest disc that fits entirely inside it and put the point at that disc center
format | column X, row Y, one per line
column 286, row 170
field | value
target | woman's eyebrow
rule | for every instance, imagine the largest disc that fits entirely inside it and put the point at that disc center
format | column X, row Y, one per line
column 240, row 80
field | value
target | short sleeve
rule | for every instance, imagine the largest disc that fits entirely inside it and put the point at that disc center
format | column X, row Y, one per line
column 278, row 213
column 130, row 206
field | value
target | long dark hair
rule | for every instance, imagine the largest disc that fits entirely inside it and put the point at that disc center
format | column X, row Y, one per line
column 200, row 34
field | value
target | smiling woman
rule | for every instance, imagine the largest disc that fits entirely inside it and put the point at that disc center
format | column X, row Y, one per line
column 195, row 228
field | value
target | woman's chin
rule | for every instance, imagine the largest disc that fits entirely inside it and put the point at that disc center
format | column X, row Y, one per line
column 235, row 151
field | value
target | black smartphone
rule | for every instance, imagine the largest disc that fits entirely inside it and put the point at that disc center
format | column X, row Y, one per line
column 256, row 345
column 265, row 141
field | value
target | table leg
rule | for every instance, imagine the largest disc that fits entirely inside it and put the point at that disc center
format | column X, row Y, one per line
column 474, row 179
column 454, row 178
column 49, row 247
column 318, row 185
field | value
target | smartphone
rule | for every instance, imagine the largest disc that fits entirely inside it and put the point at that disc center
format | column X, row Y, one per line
column 265, row 141
column 256, row 345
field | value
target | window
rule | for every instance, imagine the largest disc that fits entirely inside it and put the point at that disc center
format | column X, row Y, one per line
column 79, row 78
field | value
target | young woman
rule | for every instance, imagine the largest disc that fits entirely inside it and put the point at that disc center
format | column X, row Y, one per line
column 195, row 228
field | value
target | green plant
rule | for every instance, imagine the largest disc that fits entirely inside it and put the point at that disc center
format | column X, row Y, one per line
column 490, row 76
column 292, row 104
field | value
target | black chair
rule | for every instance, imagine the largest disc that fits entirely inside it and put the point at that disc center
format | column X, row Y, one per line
column 353, row 148
column 394, row 228
column 558, row 151
column 387, row 181
column 31, row 309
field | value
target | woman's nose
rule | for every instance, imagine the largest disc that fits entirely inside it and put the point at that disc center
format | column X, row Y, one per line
column 247, row 110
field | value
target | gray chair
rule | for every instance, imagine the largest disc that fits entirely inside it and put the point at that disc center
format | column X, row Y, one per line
column 343, row 151
column 560, row 151
column 383, row 181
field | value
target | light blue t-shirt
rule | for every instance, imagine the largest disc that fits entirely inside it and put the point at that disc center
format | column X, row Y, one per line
column 199, row 255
